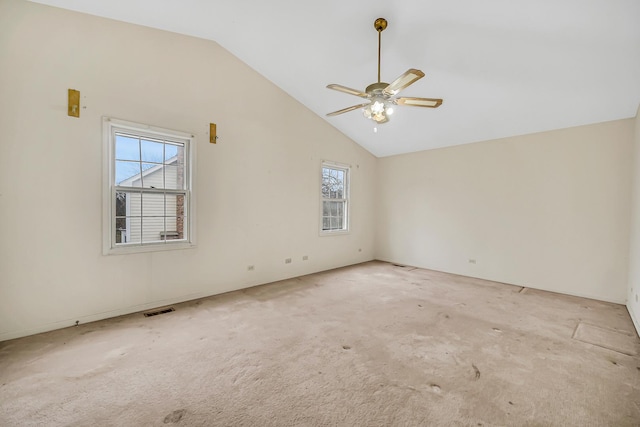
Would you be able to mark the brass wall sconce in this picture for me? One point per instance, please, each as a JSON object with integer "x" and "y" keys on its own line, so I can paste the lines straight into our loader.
{"x": 74, "y": 103}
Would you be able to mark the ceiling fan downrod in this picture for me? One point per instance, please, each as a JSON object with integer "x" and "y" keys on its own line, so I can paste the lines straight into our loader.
{"x": 380, "y": 24}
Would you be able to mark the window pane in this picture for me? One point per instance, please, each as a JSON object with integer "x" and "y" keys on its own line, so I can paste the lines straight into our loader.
{"x": 172, "y": 228}
{"x": 127, "y": 148}
{"x": 173, "y": 152}
{"x": 121, "y": 230}
{"x": 152, "y": 175}
{"x": 181, "y": 227}
{"x": 146, "y": 166}
{"x": 180, "y": 205}
{"x": 325, "y": 190}
{"x": 334, "y": 208}
{"x": 340, "y": 208}
{"x": 128, "y": 174}
{"x": 326, "y": 206}
{"x": 152, "y": 151}
{"x": 174, "y": 177}
{"x": 152, "y": 229}
{"x": 133, "y": 230}
{"x": 121, "y": 204}
{"x": 128, "y": 210}
{"x": 153, "y": 205}
{"x": 175, "y": 227}
{"x": 336, "y": 223}
{"x": 175, "y": 205}
{"x": 326, "y": 179}
{"x": 326, "y": 223}
{"x": 133, "y": 204}
{"x": 128, "y": 204}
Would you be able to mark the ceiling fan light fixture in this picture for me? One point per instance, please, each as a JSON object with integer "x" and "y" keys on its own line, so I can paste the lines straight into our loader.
{"x": 378, "y": 110}
{"x": 377, "y": 106}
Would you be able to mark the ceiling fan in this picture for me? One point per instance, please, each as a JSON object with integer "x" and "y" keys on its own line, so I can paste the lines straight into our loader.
{"x": 382, "y": 96}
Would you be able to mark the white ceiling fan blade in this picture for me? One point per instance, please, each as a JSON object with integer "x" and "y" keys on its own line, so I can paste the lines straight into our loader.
{"x": 408, "y": 78}
{"x": 348, "y": 90}
{"x": 419, "y": 102}
{"x": 346, "y": 110}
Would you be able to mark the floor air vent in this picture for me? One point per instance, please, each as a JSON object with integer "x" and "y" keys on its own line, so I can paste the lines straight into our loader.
{"x": 162, "y": 311}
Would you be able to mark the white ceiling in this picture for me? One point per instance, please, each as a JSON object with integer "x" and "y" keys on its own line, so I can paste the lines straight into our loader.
{"x": 503, "y": 67}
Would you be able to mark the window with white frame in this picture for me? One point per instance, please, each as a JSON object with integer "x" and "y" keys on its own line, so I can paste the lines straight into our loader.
{"x": 148, "y": 188}
{"x": 335, "y": 198}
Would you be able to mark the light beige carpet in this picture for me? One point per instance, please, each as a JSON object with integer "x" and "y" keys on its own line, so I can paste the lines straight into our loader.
{"x": 369, "y": 345}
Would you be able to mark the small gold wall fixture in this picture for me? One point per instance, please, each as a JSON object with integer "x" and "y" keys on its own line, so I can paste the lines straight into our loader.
{"x": 213, "y": 138}
{"x": 74, "y": 103}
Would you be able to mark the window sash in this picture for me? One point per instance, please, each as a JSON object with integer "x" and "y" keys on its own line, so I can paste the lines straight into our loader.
{"x": 331, "y": 218}
{"x": 129, "y": 218}
{"x": 145, "y": 164}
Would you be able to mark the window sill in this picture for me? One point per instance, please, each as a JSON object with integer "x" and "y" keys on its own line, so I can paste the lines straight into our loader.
{"x": 324, "y": 233}
{"x": 151, "y": 247}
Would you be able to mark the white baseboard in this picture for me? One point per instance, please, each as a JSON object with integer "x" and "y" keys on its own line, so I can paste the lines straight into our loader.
{"x": 60, "y": 324}
{"x": 98, "y": 316}
{"x": 636, "y": 322}
{"x": 621, "y": 301}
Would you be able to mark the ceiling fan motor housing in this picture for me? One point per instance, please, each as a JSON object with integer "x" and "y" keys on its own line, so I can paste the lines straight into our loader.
{"x": 376, "y": 88}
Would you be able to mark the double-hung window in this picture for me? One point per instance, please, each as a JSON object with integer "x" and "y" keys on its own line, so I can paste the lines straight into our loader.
{"x": 335, "y": 198}
{"x": 148, "y": 188}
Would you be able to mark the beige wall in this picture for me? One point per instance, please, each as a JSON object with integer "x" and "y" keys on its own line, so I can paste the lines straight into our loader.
{"x": 548, "y": 211}
{"x": 257, "y": 189}
{"x": 633, "y": 295}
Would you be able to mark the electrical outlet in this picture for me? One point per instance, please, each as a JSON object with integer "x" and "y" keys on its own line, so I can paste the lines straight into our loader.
{"x": 287, "y": 261}
{"x": 305, "y": 257}
{"x": 472, "y": 261}
{"x": 250, "y": 268}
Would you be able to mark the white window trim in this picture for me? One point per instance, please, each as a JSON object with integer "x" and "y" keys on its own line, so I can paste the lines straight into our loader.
{"x": 347, "y": 208}
{"x": 108, "y": 174}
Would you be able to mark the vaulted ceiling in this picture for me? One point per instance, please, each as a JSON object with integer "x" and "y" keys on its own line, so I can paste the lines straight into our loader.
{"x": 503, "y": 67}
